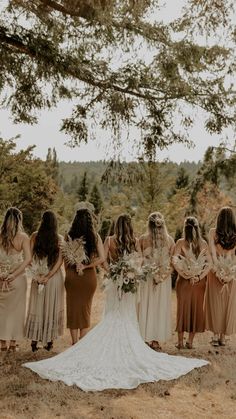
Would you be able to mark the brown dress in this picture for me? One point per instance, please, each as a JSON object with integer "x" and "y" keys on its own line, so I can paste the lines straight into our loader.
{"x": 80, "y": 290}
{"x": 190, "y": 298}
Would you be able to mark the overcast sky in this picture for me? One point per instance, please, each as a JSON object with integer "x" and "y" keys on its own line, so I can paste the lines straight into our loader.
{"x": 46, "y": 133}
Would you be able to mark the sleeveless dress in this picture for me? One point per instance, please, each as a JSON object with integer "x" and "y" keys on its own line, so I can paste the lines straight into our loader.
{"x": 80, "y": 290}
{"x": 45, "y": 319}
{"x": 154, "y": 308}
{"x": 113, "y": 355}
{"x": 220, "y": 305}
{"x": 13, "y": 300}
{"x": 190, "y": 301}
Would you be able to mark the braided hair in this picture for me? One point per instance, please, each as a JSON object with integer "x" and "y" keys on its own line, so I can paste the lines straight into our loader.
{"x": 192, "y": 234}
{"x": 124, "y": 235}
{"x": 47, "y": 241}
{"x": 226, "y": 229}
{"x": 12, "y": 223}
{"x": 158, "y": 230}
{"x": 83, "y": 227}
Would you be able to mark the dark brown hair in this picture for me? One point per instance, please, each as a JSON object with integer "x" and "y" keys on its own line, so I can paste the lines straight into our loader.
{"x": 46, "y": 243}
{"x": 83, "y": 227}
{"x": 192, "y": 234}
{"x": 226, "y": 229}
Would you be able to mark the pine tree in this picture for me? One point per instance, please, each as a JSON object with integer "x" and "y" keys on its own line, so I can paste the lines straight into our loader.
{"x": 96, "y": 199}
{"x": 83, "y": 188}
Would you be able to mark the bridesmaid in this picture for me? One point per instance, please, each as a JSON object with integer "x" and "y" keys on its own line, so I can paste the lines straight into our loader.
{"x": 46, "y": 310}
{"x": 14, "y": 247}
{"x": 220, "y": 304}
{"x": 80, "y": 289}
{"x": 190, "y": 298}
{"x": 154, "y": 311}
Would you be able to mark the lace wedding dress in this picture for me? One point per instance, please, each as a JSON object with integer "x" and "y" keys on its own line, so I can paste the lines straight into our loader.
{"x": 113, "y": 354}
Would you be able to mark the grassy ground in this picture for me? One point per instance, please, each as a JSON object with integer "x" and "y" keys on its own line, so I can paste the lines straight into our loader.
{"x": 209, "y": 392}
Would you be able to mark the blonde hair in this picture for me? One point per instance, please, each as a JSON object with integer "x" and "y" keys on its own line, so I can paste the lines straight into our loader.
{"x": 12, "y": 223}
{"x": 158, "y": 230}
{"x": 192, "y": 234}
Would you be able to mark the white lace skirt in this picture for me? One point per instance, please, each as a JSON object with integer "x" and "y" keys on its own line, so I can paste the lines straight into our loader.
{"x": 113, "y": 354}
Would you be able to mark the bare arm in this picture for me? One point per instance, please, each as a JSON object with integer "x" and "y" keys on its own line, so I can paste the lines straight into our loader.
{"x": 212, "y": 247}
{"x": 27, "y": 259}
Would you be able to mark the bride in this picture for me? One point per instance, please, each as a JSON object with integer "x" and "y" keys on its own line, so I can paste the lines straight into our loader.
{"x": 113, "y": 354}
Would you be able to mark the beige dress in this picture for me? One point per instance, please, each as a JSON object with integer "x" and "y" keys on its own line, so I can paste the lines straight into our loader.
{"x": 45, "y": 319}
{"x": 13, "y": 301}
{"x": 220, "y": 303}
{"x": 154, "y": 308}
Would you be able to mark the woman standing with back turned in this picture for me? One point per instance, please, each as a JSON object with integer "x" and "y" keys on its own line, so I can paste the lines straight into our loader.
{"x": 80, "y": 288}
{"x": 220, "y": 301}
{"x": 15, "y": 249}
{"x": 45, "y": 318}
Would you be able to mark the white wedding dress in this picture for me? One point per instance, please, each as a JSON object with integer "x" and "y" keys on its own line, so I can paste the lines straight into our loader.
{"x": 113, "y": 354}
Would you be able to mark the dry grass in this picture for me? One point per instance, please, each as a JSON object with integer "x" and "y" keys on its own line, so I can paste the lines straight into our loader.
{"x": 205, "y": 393}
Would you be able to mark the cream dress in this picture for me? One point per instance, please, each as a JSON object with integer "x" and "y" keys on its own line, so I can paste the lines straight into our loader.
{"x": 45, "y": 319}
{"x": 154, "y": 308}
{"x": 12, "y": 299}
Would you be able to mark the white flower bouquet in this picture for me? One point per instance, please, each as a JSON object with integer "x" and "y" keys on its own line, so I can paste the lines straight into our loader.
{"x": 158, "y": 267}
{"x": 190, "y": 265}
{"x": 38, "y": 268}
{"x": 126, "y": 273}
{"x": 74, "y": 253}
{"x": 225, "y": 269}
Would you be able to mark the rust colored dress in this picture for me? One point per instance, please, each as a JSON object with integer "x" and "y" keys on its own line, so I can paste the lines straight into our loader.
{"x": 190, "y": 299}
{"x": 80, "y": 290}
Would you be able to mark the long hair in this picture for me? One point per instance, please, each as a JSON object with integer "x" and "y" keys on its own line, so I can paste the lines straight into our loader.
{"x": 47, "y": 241}
{"x": 158, "y": 231}
{"x": 192, "y": 234}
{"x": 124, "y": 235}
{"x": 83, "y": 227}
{"x": 12, "y": 223}
{"x": 226, "y": 229}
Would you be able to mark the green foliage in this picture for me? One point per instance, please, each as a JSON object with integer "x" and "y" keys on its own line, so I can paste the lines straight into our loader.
{"x": 96, "y": 199}
{"x": 92, "y": 53}
{"x": 83, "y": 188}
{"x": 24, "y": 183}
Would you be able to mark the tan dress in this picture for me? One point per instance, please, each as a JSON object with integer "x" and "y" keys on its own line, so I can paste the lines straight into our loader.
{"x": 45, "y": 319}
{"x": 220, "y": 304}
{"x": 13, "y": 302}
{"x": 80, "y": 290}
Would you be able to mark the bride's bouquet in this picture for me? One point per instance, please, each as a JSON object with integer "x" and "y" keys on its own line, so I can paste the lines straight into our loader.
{"x": 190, "y": 265}
{"x": 74, "y": 253}
{"x": 225, "y": 269}
{"x": 38, "y": 268}
{"x": 125, "y": 273}
{"x": 158, "y": 268}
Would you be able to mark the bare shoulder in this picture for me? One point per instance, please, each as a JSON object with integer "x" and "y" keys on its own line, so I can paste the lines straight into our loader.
{"x": 179, "y": 242}
{"x": 212, "y": 232}
{"x": 22, "y": 236}
{"x": 171, "y": 240}
{"x": 33, "y": 235}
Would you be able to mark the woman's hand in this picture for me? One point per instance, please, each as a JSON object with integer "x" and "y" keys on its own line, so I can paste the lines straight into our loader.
{"x": 80, "y": 267}
{"x": 43, "y": 280}
{"x": 10, "y": 278}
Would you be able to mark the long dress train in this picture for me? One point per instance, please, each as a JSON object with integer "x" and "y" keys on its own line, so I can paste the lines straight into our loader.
{"x": 113, "y": 354}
